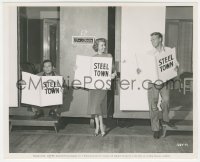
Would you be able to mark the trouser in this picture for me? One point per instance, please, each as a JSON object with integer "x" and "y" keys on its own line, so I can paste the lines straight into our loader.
{"x": 153, "y": 97}
{"x": 46, "y": 109}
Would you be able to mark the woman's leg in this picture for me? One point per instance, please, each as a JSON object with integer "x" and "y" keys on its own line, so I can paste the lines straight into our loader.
{"x": 97, "y": 124}
{"x": 101, "y": 124}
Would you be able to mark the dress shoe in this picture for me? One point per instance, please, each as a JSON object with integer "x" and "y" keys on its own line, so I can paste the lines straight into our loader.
{"x": 170, "y": 124}
{"x": 156, "y": 134}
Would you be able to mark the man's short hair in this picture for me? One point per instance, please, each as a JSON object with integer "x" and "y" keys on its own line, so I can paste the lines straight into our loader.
{"x": 158, "y": 34}
{"x": 45, "y": 61}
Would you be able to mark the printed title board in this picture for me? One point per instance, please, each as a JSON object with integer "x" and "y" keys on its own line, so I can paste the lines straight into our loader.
{"x": 93, "y": 72}
{"x": 166, "y": 65}
{"x": 42, "y": 90}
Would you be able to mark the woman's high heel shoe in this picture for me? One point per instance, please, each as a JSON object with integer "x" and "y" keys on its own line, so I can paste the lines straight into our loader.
{"x": 103, "y": 134}
{"x": 96, "y": 133}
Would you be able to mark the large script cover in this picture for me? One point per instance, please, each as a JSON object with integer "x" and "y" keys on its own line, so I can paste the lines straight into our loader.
{"x": 93, "y": 72}
{"x": 162, "y": 66}
{"x": 166, "y": 65}
{"x": 41, "y": 90}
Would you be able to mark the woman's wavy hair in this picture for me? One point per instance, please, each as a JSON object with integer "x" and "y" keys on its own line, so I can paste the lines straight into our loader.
{"x": 96, "y": 43}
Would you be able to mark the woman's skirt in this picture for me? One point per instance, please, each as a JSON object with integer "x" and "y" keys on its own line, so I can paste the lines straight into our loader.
{"x": 96, "y": 103}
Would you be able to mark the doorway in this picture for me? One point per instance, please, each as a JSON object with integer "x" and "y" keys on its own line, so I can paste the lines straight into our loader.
{"x": 38, "y": 40}
{"x": 50, "y": 41}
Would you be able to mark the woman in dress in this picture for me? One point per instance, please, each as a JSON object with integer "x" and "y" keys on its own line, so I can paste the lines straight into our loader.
{"x": 97, "y": 96}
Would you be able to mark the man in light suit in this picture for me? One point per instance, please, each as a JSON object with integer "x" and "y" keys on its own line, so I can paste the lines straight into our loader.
{"x": 154, "y": 90}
